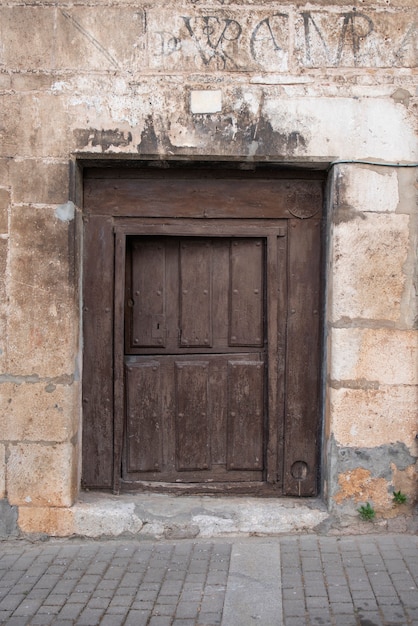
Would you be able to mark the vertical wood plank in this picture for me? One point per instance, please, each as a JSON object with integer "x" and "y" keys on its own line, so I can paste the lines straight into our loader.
{"x": 247, "y": 293}
{"x": 118, "y": 364}
{"x": 148, "y": 293}
{"x": 245, "y": 415}
{"x": 303, "y": 366}
{"x": 196, "y": 293}
{"x": 281, "y": 326}
{"x": 143, "y": 412}
{"x": 192, "y": 415}
{"x": 218, "y": 405}
{"x": 220, "y": 291}
{"x": 98, "y": 296}
{"x": 273, "y": 417}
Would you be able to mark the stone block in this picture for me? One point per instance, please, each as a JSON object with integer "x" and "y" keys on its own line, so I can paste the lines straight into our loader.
{"x": 27, "y": 34}
{"x": 382, "y": 356}
{"x": 4, "y": 244}
{"x": 408, "y": 185}
{"x": 4, "y": 210}
{"x": 8, "y": 127}
{"x": 54, "y": 522}
{"x": 2, "y": 471}
{"x": 27, "y": 81}
{"x": 5, "y": 82}
{"x": 367, "y": 189}
{"x": 374, "y": 417}
{"x": 218, "y": 39}
{"x": 38, "y": 411}
{"x": 368, "y": 258}
{"x": 4, "y": 171}
{"x": 44, "y": 182}
{"x": 366, "y": 38}
{"x": 341, "y": 125}
{"x": 43, "y": 330}
{"x": 109, "y": 39}
{"x": 39, "y": 474}
{"x": 37, "y": 125}
{"x": 360, "y": 486}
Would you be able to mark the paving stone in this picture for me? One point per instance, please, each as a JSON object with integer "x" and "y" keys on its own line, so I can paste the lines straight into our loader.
{"x": 136, "y": 618}
{"x": 187, "y": 610}
{"x": 160, "y": 620}
{"x": 209, "y": 619}
{"x": 89, "y": 617}
{"x": 325, "y": 580}
{"x": 71, "y": 611}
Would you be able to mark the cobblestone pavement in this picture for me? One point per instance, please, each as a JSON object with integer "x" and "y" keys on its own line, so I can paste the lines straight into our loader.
{"x": 304, "y": 580}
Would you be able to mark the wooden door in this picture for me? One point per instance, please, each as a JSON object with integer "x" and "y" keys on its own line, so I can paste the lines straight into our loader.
{"x": 201, "y": 329}
{"x": 195, "y": 359}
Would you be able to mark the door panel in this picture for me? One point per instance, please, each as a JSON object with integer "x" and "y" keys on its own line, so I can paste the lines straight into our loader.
{"x": 195, "y": 294}
{"x": 245, "y": 415}
{"x": 208, "y": 403}
{"x": 192, "y": 415}
{"x": 246, "y": 293}
{"x": 148, "y": 290}
{"x": 180, "y": 409}
{"x": 144, "y": 411}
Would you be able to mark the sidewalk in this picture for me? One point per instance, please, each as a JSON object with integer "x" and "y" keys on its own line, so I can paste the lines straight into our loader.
{"x": 303, "y": 580}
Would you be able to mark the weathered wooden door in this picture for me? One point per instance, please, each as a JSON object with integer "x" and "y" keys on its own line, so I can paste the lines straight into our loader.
{"x": 196, "y": 359}
{"x": 201, "y": 329}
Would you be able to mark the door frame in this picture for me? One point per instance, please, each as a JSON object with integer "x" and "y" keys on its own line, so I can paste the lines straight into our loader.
{"x": 112, "y": 195}
{"x": 274, "y": 233}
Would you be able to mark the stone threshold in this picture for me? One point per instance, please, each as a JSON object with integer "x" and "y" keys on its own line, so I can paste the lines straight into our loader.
{"x": 164, "y": 516}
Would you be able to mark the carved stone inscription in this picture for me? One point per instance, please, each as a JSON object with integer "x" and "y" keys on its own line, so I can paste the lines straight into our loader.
{"x": 232, "y": 41}
{"x": 221, "y": 41}
{"x": 224, "y": 40}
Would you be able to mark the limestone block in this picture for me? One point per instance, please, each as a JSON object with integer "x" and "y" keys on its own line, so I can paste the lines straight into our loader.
{"x": 54, "y": 522}
{"x": 41, "y": 475}
{"x": 38, "y": 411}
{"x": 37, "y": 125}
{"x": 368, "y": 259}
{"x": 361, "y": 486}
{"x": 26, "y": 34}
{"x": 109, "y": 39}
{"x": 2, "y": 471}
{"x": 366, "y": 38}
{"x": 27, "y": 81}
{"x": 365, "y": 189}
{"x": 408, "y": 185}
{"x": 384, "y": 356}
{"x": 44, "y": 327}
{"x": 5, "y": 82}
{"x": 4, "y": 210}
{"x": 218, "y": 39}
{"x": 8, "y": 128}
{"x": 4, "y": 171}
{"x": 3, "y": 303}
{"x": 345, "y": 126}
{"x": 45, "y": 183}
{"x": 374, "y": 417}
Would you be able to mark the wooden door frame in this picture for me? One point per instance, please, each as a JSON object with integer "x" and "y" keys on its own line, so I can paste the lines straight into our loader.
{"x": 271, "y": 231}
{"x": 110, "y": 196}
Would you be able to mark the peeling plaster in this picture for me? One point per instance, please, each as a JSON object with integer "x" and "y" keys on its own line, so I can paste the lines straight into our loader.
{"x": 65, "y": 212}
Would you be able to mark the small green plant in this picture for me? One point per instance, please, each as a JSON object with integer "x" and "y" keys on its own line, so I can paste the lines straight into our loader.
{"x": 367, "y": 512}
{"x": 399, "y": 497}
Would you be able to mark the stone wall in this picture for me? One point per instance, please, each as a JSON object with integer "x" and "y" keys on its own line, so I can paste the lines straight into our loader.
{"x": 289, "y": 82}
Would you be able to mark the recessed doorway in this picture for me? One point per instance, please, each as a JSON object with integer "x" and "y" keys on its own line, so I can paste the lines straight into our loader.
{"x": 201, "y": 332}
